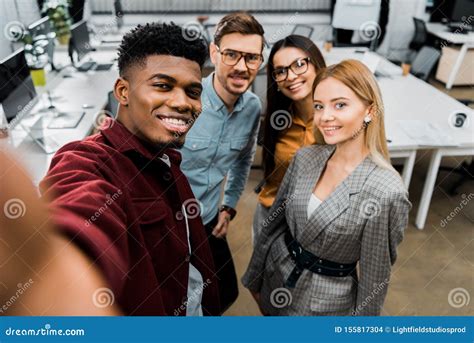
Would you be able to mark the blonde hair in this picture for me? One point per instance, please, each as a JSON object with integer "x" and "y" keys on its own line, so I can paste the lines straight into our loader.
{"x": 360, "y": 80}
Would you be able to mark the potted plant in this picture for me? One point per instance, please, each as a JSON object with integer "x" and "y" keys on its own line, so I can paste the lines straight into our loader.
{"x": 58, "y": 13}
{"x": 36, "y": 56}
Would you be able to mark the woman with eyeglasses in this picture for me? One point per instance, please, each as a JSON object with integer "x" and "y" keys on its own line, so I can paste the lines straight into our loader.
{"x": 340, "y": 213}
{"x": 293, "y": 64}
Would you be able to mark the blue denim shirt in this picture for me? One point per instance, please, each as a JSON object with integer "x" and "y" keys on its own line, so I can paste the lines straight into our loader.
{"x": 220, "y": 145}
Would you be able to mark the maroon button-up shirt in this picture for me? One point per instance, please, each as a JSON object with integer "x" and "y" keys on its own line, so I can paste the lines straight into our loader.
{"x": 122, "y": 204}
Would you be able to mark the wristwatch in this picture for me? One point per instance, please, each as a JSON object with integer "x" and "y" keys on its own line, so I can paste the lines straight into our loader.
{"x": 229, "y": 210}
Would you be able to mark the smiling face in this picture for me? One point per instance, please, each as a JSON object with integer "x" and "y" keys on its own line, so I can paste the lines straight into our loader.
{"x": 236, "y": 79}
{"x": 338, "y": 112}
{"x": 159, "y": 101}
{"x": 295, "y": 87}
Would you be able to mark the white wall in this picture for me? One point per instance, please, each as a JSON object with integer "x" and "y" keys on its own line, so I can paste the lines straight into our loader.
{"x": 143, "y": 6}
{"x": 23, "y": 11}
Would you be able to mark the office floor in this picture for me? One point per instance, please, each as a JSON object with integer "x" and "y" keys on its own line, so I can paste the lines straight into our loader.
{"x": 434, "y": 273}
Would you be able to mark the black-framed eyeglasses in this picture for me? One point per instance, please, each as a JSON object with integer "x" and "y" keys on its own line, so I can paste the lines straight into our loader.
{"x": 298, "y": 67}
{"x": 232, "y": 57}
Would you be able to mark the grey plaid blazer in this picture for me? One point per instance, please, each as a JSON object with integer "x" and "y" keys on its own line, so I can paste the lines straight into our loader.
{"x": 362, "y": 220}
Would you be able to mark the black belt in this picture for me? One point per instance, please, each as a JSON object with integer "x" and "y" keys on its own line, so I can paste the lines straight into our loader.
{"x": 307, "y": 260}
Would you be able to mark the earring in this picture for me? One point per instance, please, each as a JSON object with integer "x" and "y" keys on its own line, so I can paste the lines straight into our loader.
{"x": 278, "y": 89}
{"x": 367, "y": 119}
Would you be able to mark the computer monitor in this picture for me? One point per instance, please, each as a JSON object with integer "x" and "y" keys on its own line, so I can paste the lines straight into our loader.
{"x": 462, "y": 10}
{"x": 42, "y": 30}
{"x": 17, "y": 92}
{"x": 439, "y": 11}
{"x": 80, "y": 45}
{"x": 76, "y": 9}
{"x": 79, "y": 42}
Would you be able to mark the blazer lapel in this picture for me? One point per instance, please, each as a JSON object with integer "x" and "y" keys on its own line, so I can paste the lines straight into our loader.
{"x": 326, "y": 213}
{"x": 337, "y": 202}
{"x": 313, "y": 167}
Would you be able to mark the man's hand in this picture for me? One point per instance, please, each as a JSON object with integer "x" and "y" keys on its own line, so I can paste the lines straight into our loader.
{"x": 220, "y": 230}
{"x": 64, "y": 281}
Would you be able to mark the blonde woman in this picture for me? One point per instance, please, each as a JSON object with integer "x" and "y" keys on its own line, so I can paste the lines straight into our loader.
{"x": 341, "y": 205}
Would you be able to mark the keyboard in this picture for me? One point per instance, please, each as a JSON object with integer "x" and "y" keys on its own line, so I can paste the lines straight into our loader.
{"x": 86, "y": 66}
{"x": 91, "y": 65}
{"x": 112, "y": 39}
{"x": 66, "y": 120}
{"x": 103, "y": 67}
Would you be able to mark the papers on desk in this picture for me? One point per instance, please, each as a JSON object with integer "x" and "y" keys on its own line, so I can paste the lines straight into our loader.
{"x": 380, "y": 66}
{"x": 111, "y": 39}
{"x": 426, "y": 134}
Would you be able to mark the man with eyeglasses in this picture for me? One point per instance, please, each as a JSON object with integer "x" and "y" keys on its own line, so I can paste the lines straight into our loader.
{"x": 220, "y": 147}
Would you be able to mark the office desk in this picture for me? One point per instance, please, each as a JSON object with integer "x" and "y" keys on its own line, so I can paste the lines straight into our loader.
{"x": 465, "y": 40}
{"x": 409, "y": 98}
{"x": 428, "y": 104}
{"x": 82, "y": 88}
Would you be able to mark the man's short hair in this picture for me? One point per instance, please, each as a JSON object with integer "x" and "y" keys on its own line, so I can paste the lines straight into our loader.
{"x": 238, "y": 22}
{"x": 159, "y": 39}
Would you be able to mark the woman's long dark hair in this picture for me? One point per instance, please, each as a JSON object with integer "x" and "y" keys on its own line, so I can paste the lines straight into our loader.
{"x": 276, "y": 101}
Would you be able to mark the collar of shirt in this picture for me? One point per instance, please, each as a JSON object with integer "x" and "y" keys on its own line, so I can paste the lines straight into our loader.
{"x": 123, "y": 141}
{"x": 214, "y": 100}
{"x": 298, "y": 121}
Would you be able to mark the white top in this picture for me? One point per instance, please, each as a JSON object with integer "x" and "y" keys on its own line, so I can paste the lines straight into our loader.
{"x": 313, "y": 204}
{"x": 195, "y": 282}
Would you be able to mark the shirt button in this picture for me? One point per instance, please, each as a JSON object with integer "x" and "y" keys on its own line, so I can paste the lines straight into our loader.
{"x": 319, "y": 270}
{"x": 188, "y": 258}
{"x": 194, "y": 146}
{"x": 167, "y": 176}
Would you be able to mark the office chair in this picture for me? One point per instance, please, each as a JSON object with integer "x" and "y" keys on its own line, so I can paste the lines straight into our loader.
{"x": 424, "y": 62}
{"x": 207, "y": 34}
{"x": 466, "y": 171}
{"x": 420, "y": 36}
{"x": 109, "y": 110}
{"x": 303, "y": 30}
{"x": 112, "y": 105}
{"x": 200, "y": 29}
